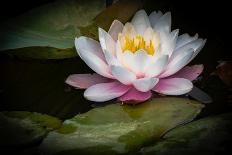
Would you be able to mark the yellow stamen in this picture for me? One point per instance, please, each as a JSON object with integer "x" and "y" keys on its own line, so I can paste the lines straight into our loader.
{"x": 135, "y": 44}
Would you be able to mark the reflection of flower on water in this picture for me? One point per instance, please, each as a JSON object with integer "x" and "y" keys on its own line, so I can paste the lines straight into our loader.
{"x": 134, "y": 59}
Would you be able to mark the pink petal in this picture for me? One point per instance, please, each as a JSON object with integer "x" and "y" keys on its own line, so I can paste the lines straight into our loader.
{"x": 115, "y": 28}
{"x": 135, "y": 95}
{"x": 173, "y": 86}
{"x": 189, "y": 72}
{"x": 83, "y": 81}
{"x": 105, "y": 91}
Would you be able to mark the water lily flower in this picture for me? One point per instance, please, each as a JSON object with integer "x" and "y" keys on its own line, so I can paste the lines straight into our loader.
{"x": 138, "y": 58}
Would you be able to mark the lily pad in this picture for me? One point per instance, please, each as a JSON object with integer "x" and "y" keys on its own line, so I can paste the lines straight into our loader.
{"x": 21, "y": 128}
{"x": 54, "y": 25}
{"x": 206, "y": 136}
{"x": 48, "y": 32}
{"x": 116, "y": 128}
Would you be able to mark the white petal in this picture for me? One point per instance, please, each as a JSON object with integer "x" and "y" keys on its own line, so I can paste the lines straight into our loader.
{"x": 88, "y": 44}
{"x": 163, "y": 23}
{"x": 173, "y": 86}
{"x": 128, "y": 60}
{"x": 154, "y": 17}
{"x": 168, "y": 41}
{"x": 157, "y": 67}
{"x": 115, "y": 28}
{"x": 141, "y": 61}
{"x": 148, "y": 35}
{"x": 106, "y": 41}
{"x": 177, "y": 63}
{"x": 156, "y": 40}
{"x": 145, "y": 84}
{"x": 123, "y": 75}
{"x": 91, "y": 53}
{"x": 119, "y": 51}
{"x": 129, "y": 30}
{"x": 140, "y": 21}
{"x": 196, "y": 45}
{"x": 105, "y": 91}
{"x": 136, "y": 62}
{"x": 111, "y": 59}
{"x": 184, "y": 39}
{"x": 198, "y": 50}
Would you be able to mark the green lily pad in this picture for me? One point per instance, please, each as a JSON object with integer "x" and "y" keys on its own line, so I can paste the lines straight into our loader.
{"x": 206, "y": 136}
{"x": 54, "y": 25}
{"x": 21, "y": 128}
{"x": 48, "y": 32}
{"x": 117, "y": 128}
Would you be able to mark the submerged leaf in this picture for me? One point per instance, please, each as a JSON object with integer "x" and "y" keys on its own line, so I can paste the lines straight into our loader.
{"x": 116, "y": 128}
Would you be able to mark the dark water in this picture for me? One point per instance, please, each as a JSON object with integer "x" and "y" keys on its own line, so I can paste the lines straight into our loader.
{"x": 35, "y": 85}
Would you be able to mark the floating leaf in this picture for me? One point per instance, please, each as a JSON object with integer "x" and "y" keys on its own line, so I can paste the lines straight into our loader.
{"x": 20, "y": 128}
{"x": 119, "y": 128}
{"x": 206, "y": 136}
{"x": 48, "y": 32}
{"x": 53, "y": 25}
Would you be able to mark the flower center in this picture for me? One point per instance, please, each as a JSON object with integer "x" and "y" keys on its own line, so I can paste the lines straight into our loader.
{"x": 136, "y": 43}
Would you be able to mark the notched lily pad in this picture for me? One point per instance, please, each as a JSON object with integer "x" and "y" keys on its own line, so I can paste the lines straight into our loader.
{"x": 21, "y": 128}
{"x": 206, "y": 136}
{"x": 117, "y": 128}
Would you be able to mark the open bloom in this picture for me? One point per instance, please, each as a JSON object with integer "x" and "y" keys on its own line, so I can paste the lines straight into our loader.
{"x": 138, "y": 58}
